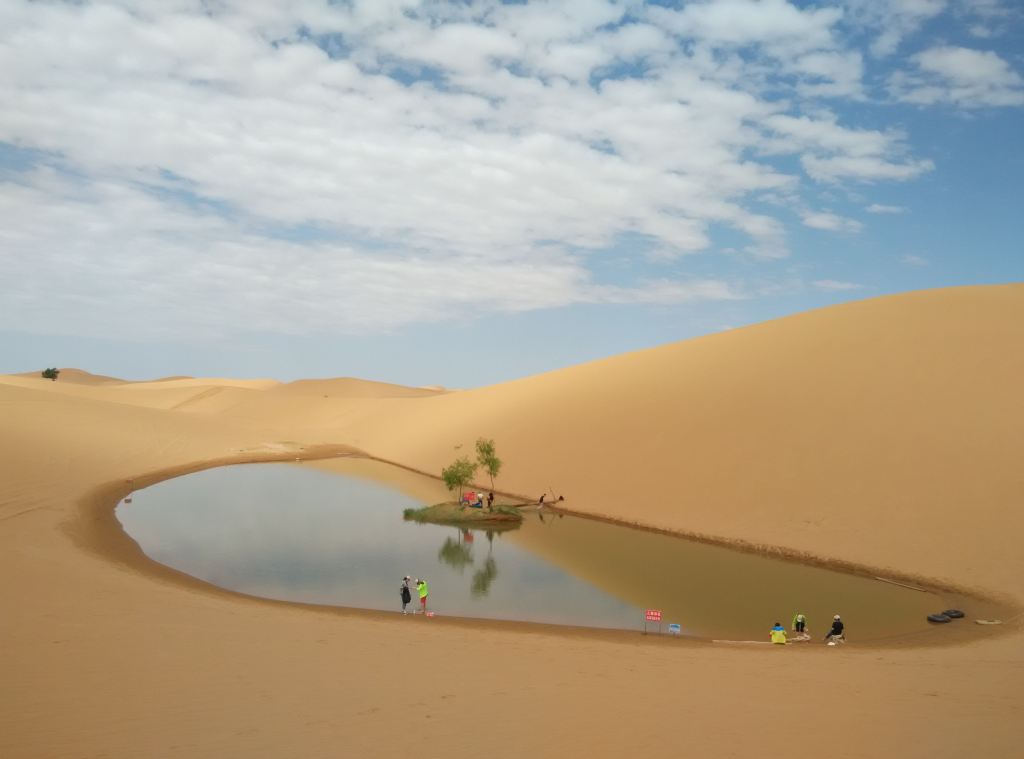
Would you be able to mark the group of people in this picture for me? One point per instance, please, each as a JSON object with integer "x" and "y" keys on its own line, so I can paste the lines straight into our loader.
{"x": 835, "y": 634}
{"x": 476, "y": 500}
{"x": 406, "y": 593}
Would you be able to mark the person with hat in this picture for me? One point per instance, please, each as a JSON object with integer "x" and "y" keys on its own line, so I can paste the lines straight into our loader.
{"x": 837, "y": 632}
{"x": 406, "y": 593}
{"x": 799, "y": 623}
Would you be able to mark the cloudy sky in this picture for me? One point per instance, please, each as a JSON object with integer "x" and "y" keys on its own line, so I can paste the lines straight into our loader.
{"x": 466, "y": 192}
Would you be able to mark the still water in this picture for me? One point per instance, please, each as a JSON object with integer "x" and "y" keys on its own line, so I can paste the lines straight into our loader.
{"x": 302, "y": 533}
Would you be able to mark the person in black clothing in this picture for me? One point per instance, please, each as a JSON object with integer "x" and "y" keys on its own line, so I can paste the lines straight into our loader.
{"x": 406, "y": 593}
{"x": 836, "y": 631}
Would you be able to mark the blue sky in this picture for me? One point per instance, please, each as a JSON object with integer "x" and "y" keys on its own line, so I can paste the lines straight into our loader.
{"x": 464, "y": 193}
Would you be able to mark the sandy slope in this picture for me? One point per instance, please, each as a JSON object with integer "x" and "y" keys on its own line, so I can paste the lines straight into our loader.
{"x": 887, "y": 432}
{"x": 902, "y": 413}
{"x": 70, "y": 375}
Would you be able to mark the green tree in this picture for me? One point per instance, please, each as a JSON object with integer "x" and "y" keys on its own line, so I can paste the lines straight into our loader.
{"x": 51, "y": 374}
{"x": 486, "y": 457}
{"x": 458, "y": 475}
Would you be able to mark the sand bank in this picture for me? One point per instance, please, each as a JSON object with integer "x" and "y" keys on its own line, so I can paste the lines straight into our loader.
{"x": 886, "y": 433}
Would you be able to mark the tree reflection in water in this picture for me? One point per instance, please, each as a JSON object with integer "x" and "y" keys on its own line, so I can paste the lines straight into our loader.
{"x": 482, "y": 578}
{"x": 458, "y": 554}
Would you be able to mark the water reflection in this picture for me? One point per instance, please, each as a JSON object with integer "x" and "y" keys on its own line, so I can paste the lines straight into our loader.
{"x": 455, "y": 553}
{"x": 299, "y": 533}
{"x": 483, "y": 578}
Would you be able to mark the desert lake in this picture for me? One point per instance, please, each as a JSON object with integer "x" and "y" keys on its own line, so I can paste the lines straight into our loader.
{"x": 298, "y": 533}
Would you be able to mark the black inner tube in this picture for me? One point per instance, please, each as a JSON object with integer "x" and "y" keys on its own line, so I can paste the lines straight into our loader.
{"x": 938, "y": 618}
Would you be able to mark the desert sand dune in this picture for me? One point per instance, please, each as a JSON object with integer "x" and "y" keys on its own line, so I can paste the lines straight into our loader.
{"x": 887, "y": 432}
{"x": 71, "y": 375}
{"x": 318, "y": 410}
{"x": 204, "y": 382}
{"x": 194, "y": 395}
{"x": 901, "y": 413}
{"x": 349, "y": 387}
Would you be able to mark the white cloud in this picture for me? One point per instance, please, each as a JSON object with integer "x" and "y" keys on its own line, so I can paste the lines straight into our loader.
{"x": 745, "y": 22}
{"x": 830, "y": 74}
{"x": 879, "y": 208}
{"x": 666, "y": 292}
{"x": 892, "y": 20}
{"x": 959, "y": 76}
{"x": 205, "y": 275}
{"x": 988, "y": 18}
{"x": 306, "y": 165}
{"x": 862, "y": 168}
{"x": 911, "y": 260}
{"x": 830, "y": 221}
{"x": 831, "y": 152}
{"x": 832, "y": 285}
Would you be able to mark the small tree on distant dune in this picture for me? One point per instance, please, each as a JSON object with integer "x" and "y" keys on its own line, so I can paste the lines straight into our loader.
{"x": 458, "y": 474}
{"x": 51, "y": 374}
{"x": 486, "y": 457}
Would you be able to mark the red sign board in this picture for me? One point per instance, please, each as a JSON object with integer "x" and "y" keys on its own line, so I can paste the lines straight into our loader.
{"x": 654, "y": 615}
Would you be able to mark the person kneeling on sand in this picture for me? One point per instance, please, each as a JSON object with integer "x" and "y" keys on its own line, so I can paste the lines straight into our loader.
{"x": 837, "y": 632}
{"x": 778, "y": 634}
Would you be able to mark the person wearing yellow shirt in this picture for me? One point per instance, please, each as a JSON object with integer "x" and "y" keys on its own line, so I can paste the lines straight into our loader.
{"x": 778, "y": 634}
{"x": 424, "y": 591}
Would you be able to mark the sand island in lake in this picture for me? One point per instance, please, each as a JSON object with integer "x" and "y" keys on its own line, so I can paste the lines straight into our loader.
{"x": 452, "y": 513}
{"x": 886, "y": 434}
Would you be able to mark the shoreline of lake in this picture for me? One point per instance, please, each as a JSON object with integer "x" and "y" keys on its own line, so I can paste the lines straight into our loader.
{"x": 385, "y": 471}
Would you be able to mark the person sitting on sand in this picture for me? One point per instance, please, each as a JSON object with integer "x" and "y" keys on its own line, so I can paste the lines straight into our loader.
{"x": 424, "y": 591}
{"x": 778, "y": 634}
{"x": 837, "y": 632}
{"x": 799, "y": 623}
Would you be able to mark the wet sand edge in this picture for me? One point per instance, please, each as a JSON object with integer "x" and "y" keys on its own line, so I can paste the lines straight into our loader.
{"x": 95, "y": 528}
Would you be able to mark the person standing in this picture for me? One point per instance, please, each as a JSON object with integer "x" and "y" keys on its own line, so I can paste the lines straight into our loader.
{"x": 490, "y": 501}
{"x": 424, "y": 591}
{"x": 406, "y": 593}
{"x": 837, "y": 632}
{"x": 778, "y": 634}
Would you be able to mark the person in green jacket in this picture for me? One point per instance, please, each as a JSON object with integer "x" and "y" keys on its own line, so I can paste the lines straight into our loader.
{"x": 424, "y": 591}
{"x": 799, "y": 623}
